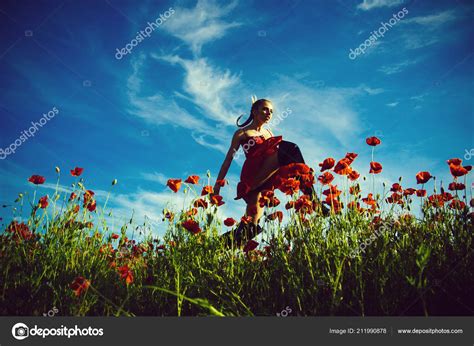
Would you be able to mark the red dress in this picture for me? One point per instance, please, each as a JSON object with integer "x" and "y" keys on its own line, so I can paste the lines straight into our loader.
{"x": 256, "y": 149}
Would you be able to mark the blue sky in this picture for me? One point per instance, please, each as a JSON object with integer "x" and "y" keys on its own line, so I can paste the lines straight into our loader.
{"x": 168, "y": 108}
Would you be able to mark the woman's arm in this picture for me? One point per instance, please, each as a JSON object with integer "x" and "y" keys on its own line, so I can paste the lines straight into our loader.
{"x": 234, "y": 146}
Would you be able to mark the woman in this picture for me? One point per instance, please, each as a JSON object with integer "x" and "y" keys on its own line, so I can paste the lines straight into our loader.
{"x": 265, "y": 155}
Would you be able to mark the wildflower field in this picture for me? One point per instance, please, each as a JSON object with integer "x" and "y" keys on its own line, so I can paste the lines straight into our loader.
{"x": 407, "y": 251}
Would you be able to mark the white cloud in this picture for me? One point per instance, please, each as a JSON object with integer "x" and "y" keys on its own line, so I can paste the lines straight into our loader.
{"x": 393, "y": 104}
{"x": 433, "y": 20}
{"x": 367, "y": 5}
{"x": 202, "y": 24}
{"x": 398, "y": 67}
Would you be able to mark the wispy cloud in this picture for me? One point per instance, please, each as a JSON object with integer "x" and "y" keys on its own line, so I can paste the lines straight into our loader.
{"x": 202, "y": 24}
{"x": 392, "y": 104}
{"x": 367, "y": 5}
{"x": 432, "y": 20}
{"x": 398, "y": 67}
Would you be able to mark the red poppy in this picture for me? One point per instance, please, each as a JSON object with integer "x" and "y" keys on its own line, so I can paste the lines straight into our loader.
{"x": 408, "y": 192}
{"x": 343, "y": 166}
{"x": 289, "y": 205}
{"x": 217, "y": 200}
{"x": 43, "y": 202}
{"x": 458, "y": 171}
{"x": 354, "y": 175}
{"x": 20, "y": 231}
{"x": 77, "y": 171}
{"x": 207, "y": 190}
{"x": 395, "y": 198}
{"x": 455, "y": 162}
{"x": 221, "y": 182}
{"x": 76, "y": 209}
{"x": 335, "y": 205}
{"x": 350, "y": 157}
{"x": 115, "y": 236}
{"x": 192, "y": 212}
{"x": 88, "y": 194}
{"x": 454, "y": 186}
{"x": 92, "y": 205}
{"x": 436, "y": 200}
{"x": 304, "y": 205}
{"x": 276, "y": 215}
{"x": 423, "y": 177}
{"x": 369, "y": 200}
{"x": 192, "y": 226}
{"x": 251, "y": 245}
{"x": 326, "y": 178}
{"x": 174, "y": 184}
{"x": 192, "y": 179}
{"x": 375, "y": 167}
{"x": 327, "y": 164}
{"x": 457, "y": 204}
{"x": 37, "y": 179}
{"x": 229, "y": 222}
{"x": 200, "y": 203}
{"x": 289, "y": 186}
{"x": 373, "y": 141}
{"x": 421, "y": 193}
{"x": 268, "y": 199}
{"x": 79, "y": 285}
{"x": 332, "y": 192}
{"x": 396, "y": 187}
{"x": 126, "y": 274}
{"x": 354, "y": 205}
{"x": 72, "y": 196}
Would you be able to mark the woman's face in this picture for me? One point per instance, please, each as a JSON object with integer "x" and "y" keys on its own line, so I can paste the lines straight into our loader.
{"x": 264, "y": 113}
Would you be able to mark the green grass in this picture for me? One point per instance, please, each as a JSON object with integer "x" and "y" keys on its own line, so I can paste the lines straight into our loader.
{"x": 410, "y": 266}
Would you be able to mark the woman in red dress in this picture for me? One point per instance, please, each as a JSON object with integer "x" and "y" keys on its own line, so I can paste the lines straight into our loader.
{"x": 266, "y": 156}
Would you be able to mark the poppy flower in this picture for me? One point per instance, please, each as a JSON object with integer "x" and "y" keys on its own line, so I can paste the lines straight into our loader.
{"x": 43, "y": 202}
{"x": 455, "y": 162}
{"x": 229, "y": 222}
{"x": 76, "y": 209}
{"x": 343, "y": 166}
{"x": 395, "y": 198}
{"x": 221, "y": 182}
{"x": 267, "y": 198}
{"x": 200, "y": 203}
{"x": 421, "y": 193}
{"x": 126, "y": 274}
{"x": 174, "y": 184}
{"x": 335, "y": 205}
{"x": 77, "y": 171}
{"x": 436, "y": 200}
{"x": 408, "y": 192}
{"x": 115, "y": 236}
{"x": 354, "y": 205}
{"x": 332, "y": 192}
{"x": 20, "y": 231}
{"x": 289, "y": 186}
{"x": 192, "y": 179}
{"x": 217, "y": 200}
{"x": 423, "y": 177}
{"x": 369, "y": 200}
{"x": 251, "y": 245}
{"x": 91, "y": 206}
{"x": 396, "y": 187}
{"x": 37, "y": 179}
{"x": 72, "y": 196}
{"x": 192, "y": 212}
{"x": 192, "y": 226}
{"x": 457, "y": 204}
{"x": 79, "y": 285}
{"x": 375, "y": 167}
{"x": 458, "y": 171}
{"x": 454, "y": 186}
{"x": 207, "y": 190}
{"x": 326, "y": 178}
{"x": 276, "y": 215}
{"x": 304, "y": 205}
{"x": 327, "y": 164}
{"x": 354, "y": 175}
{"x": 373, "y": 141}
{"x": 350, "y": 157}
{"x": 290, "y": 205}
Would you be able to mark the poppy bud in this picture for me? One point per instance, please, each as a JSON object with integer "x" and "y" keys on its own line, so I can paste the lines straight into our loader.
{"x": 383, "y": 184}
{"x": 80, "y": 185}
{"x": 208, "y": 173}
{"x": 57, "y": 169}
{"x": 400, "y": 179}
{"x": 114, "y": 182}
